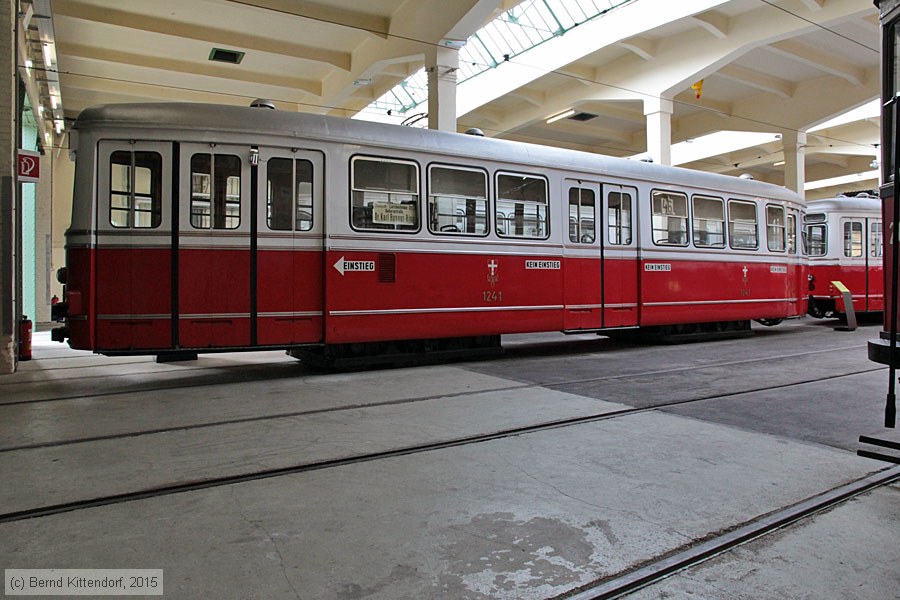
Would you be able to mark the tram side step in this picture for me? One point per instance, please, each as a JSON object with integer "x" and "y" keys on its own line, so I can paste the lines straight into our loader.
{"x": 177, "y": 356}
{"x": 683, "y": 333}
{"x": 397, "y": 353}
{"x": 888, "y": 444}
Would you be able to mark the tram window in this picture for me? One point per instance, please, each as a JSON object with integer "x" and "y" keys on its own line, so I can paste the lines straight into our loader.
{"x": 791, "y": 233}
{"x": 135, "y": 190}
{"x": 853, "y": 239}
{"x": 709, "y": 222}
{"x": 875, "y": 242}
{"x": 457, "y": 200}
{"x": 582, "y": 215}
{"x": 619, "y": 218}
{"x": 670, "y": 217}
{"x": 522, "y": 206}
{"x": 775, "y": 228}
{"x": 814, "y": 218}
{"x": 215, "y": 191}
{"x": 817, "y": 239}
{"x": 385, "y": 194}
{"x": 289, "y": 194}
{"x": 743, "y": 232}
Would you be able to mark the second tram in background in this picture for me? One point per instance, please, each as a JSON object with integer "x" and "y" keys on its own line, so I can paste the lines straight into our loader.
{"x": 845, "y": 245}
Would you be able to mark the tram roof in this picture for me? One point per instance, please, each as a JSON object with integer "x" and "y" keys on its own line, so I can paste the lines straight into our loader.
{"x": 176, "y": 116}
{"x": 846, "y": 203}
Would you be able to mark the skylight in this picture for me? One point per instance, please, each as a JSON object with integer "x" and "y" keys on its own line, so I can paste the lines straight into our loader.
{"x": 514, "y": 32}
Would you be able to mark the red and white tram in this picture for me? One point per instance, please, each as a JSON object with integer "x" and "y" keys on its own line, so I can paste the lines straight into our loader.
{"x": 201, "y": 228}
{"x": 845, "y": 245}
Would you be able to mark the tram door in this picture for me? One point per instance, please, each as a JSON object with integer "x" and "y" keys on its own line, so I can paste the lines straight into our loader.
{"x": 621, "y": 264}
{"x": 214, "y": 226}
{"x": 288, "y": 247}
{"x": 875, "y": 272}
{"x": 860, "y": 257}
{"x": 133, "y": 253}
{"x": 584, "y": 257}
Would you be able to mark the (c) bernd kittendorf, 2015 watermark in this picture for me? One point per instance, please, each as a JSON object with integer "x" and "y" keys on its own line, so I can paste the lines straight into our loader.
{"x": 83, "y": 582}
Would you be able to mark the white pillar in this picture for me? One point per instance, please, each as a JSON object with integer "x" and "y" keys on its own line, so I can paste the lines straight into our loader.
{"x": 8, "y": 124}
{"x": 659, "y": 129}
{"x": 794, "y": 143}
{"x": 43, "y": 231}
{"x": 441, "y": 65}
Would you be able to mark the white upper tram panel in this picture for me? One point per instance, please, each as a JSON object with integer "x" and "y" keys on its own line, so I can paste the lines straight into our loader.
{"x": 252, "y": 126}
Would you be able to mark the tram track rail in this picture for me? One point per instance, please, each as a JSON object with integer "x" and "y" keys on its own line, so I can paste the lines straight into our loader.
{"x": 402, "y": 401}
{"x": 697, "y": 552}
{"x": 212, "y": 482}
{"x": 144, "y": 389}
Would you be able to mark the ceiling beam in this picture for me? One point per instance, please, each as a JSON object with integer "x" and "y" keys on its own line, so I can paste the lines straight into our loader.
{"x": 597, "y": 148}
{"x": 191, "y": 31}
{"x": 582, "y": 74}
{"x": 757, "y": 80}
{"x": 843, "y": 149}
{"x": 823, "y": 61}
{"x": 578, "y": 129}
{"x": 170, "y": 85}
{"x": 533, "y": 97}
{"x": 714, "y": 22}
{"x": 632, "y": 113}
{"x": 402, "y": 68}
{"x": 813, "y": 4}
{"x": 643, "y": 47}
{"x": 837, "y": 160}
{"x": 82, "y": 92}
{"x": 345, "y": 17}
{"x": 230, "y": 73}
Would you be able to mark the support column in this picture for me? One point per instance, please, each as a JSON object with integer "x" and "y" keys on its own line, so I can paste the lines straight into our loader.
{"x": 8, "y": 125}
{"x": 44, "y": 272}
{"x": 441, "y": 64}
{"x": 794, "y": 143}
{"x": 659, "y": 129}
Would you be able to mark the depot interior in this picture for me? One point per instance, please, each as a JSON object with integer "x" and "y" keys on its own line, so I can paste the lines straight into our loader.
{"x": 783, "y": 91}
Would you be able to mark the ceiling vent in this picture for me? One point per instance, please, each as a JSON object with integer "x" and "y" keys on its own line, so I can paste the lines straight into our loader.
{"x": 227, "y": 56}
{"x": 582, "y": 116}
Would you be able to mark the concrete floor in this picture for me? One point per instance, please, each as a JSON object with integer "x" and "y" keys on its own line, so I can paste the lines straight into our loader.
{"x": 527, "y": 516}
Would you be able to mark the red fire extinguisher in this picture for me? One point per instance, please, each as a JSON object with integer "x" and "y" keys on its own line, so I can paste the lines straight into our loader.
{"x": 25, "y": 338}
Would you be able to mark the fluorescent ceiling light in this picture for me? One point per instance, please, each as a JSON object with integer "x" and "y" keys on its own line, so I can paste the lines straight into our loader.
{"x": 562, "y": 115}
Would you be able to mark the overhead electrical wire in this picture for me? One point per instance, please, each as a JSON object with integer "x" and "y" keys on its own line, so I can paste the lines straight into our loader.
{"x": 540, "y": 70}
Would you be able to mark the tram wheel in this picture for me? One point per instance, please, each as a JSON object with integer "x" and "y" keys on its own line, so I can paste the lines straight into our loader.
{"x": 769, "y": 322}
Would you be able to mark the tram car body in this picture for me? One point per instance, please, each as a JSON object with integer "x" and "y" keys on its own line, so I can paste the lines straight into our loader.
{"x": 207, "y": 228}
{"x": 844, "y": 240}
